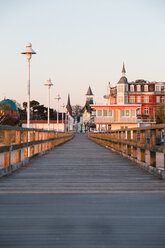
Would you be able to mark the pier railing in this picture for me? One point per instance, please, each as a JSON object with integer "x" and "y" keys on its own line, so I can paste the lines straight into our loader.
{"x": 134, "y": 142}
{"x": 19, "y": 144}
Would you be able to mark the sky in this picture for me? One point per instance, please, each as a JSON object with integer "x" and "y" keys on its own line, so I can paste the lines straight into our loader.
{"x": 79, "y": 43}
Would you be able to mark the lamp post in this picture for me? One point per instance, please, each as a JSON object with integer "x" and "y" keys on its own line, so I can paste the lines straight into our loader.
{"x": 58, "y": 98}
{"x": 28, "y": 51}
{"x": 62, "y": 112}
{"x": 48, "y": 84}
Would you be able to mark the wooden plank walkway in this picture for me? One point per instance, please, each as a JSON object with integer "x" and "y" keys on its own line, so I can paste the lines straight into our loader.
{"x": 82, "y": 195}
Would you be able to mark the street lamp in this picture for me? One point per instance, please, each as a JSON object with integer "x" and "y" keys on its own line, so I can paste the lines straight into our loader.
{"x": 28, "y": 51}
{"x": 48, "y": 84}
{"x": 58, "y": 98}
{"x": 63, "y": 105}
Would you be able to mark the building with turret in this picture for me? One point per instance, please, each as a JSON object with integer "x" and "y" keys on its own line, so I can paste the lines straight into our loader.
{"x": 129, "y": 104}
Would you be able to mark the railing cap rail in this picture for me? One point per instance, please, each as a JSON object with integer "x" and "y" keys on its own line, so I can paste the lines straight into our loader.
{"x": 7, "y": 127}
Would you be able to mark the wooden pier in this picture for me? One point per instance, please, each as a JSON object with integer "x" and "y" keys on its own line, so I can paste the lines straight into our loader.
{"x": 82, "y": 195}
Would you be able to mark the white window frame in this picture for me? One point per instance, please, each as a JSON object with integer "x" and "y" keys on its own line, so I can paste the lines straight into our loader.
{"x": 109, "y": 112}
{"x": 162, "y": 99}
{"x": 138, "y": 88}
{"x": 120, "y": 99}
{"x": 138, "y": 99}
{"x": 145, "y": 88}
{"x": 120, "y": 88}
{"x": 146, "y": 99}
{"x": 99, "y": 112}
{"x": 105, "y": 111}
{"x": 157, "y": 99}
{"x": 146, "y": 111}
{"x": 122, "y": 113}
{"x": 157, "y": 88}
{"x": 132, "y": 99}
{"x": 131, "y": 88}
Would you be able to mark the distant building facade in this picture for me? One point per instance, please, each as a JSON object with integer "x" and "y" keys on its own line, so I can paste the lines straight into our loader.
{"x": 86, "y": 120}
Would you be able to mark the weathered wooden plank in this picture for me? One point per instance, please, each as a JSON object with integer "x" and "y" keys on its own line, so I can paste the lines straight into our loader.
{"x": 82, "y": 195}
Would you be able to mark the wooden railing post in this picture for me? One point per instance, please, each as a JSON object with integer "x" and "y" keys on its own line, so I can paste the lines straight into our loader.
{"x": 36, "y": 138}
{"x": 32, "y": 139}
{"x": 26, "y": 148}
{"x": 123, "y": 145}
{"x": 119, "y": 136}
{"x": 135, "y": 144}
{"x": 152, "y": 144}
{"x": 18, "y": 141}
{"x": 164, "y": 149}
{"x": 7, "y": 157}
{"x": 142, "y": 142}
{"x": 128, "y": 145}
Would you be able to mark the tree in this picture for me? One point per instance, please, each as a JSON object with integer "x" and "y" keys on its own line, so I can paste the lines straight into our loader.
{"x": 76, "y": 110}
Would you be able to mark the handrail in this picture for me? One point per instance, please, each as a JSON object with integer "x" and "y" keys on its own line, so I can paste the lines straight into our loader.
{"x": 27, "y": 142}
{"x": 129, "y": 140}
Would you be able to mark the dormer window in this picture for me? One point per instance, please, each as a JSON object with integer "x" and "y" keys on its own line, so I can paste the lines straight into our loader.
{"x": 138, "y": 88}
{"x": 132, "y": 88}
{"x": 145, "y": 87}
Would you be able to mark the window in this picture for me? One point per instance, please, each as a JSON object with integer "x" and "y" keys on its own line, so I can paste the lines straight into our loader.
{"x": 157, "y": 88}
{"x": 99, "y": 112}
{"x": 132, "y": 99}
{"x": 132, "y": 112}
{"x": 122, "y": 112}
{"x": 132, "y": 88}
{"x": 146, "y": 111}
{"x": 110, "y": 112}
{"x": 127, "y": 112}
{"x": 138, "y": 99}
{"x": 120, "y": 88}
{"x": 145, "y": 87}
{"x": 162, "y": 88}
{"x": 104, "y": 112}
{"x": 146, "y": 99}
{"x": 157, "y": 99}
{"x": 138, "y": 87}
{"x": 120, "y": 99}
{"x": 162, "y": 99}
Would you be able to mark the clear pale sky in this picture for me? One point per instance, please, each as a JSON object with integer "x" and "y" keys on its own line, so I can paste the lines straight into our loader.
{"x": 79, "y": 43}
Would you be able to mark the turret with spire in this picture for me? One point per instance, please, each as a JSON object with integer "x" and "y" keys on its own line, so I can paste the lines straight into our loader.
{"x": 122, "y": 88}
{"x": 123, "y": 71}
{"x": 89, "y": 96}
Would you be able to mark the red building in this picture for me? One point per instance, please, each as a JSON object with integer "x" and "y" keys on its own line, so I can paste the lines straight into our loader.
{"x": 129, "y": 103}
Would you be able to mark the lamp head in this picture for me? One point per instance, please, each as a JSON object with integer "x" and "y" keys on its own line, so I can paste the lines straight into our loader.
{"x": 48, "y": 83}
{"x": 28, "y": 51}
{"x": 58, "y": 97}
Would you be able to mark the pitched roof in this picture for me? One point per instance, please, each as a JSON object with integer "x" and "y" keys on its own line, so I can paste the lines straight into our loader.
{"x": 123, "y": 80}
{"x": 89, "y": 92}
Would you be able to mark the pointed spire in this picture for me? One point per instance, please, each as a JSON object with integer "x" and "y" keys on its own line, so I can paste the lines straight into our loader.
{"x": 68, "y": 106}
{"x": 89, "y": 92}
{"x": 123, "y": 70}
{"x": 109, "y": 89}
